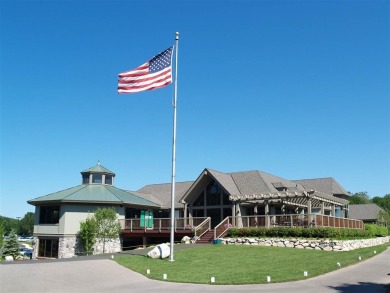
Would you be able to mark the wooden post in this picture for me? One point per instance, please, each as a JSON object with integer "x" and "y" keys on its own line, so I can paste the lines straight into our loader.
{"x": 256, "y": 213}
{"x": 185, "y": 214}
{"x": 267, "y": 221}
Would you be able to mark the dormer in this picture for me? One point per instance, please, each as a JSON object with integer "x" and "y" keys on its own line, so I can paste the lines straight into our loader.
{"x": 97, "y": 175}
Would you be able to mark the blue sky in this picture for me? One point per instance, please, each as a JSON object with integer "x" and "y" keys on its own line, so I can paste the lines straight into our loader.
{"x": 298, "y": 89}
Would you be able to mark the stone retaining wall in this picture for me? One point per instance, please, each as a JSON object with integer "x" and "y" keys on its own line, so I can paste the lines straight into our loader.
{"x": 317, "y": 244}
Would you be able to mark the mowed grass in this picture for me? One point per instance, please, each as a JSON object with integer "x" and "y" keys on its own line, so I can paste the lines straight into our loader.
{"x": 233, "y": 264}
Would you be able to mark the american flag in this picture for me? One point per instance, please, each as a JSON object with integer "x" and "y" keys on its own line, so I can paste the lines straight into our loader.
{"x": 154, "y": 74}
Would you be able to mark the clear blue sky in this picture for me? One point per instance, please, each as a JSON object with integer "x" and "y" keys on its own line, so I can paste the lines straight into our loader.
{"x": 298, "y": 89}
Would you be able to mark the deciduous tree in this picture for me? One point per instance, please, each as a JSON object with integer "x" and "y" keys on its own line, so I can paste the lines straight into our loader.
{"x": 107, "y": 225}
{"x": 87, "y": 234}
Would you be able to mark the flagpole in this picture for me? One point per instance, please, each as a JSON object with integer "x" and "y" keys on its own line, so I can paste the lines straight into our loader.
{"x": 174, "y": 156}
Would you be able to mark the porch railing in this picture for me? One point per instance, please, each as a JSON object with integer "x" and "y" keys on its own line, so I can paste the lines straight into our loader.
{"x": 222, "y": 227}
{"x": 202, "y": 228}
{"x": 293, "y": 220}
{"x": 160, "y": 224}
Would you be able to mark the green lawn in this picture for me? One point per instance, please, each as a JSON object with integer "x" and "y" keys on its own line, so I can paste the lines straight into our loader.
{"x": 233, "y": 264}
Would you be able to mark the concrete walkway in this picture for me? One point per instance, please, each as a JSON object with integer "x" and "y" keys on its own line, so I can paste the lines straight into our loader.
{"x": 104, "y": 275}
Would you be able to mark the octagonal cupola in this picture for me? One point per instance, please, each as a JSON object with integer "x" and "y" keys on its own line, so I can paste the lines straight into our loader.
{"x": 97, "y": 175}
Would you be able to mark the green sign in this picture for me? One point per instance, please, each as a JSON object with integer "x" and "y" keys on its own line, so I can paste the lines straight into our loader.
{"x": 146, "y": 219}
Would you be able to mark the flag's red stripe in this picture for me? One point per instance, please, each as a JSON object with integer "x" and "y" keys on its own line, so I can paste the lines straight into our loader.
{"x": 134, "y": 73}
{"x": 143, "y": 79}
{"x": 123, "y": 90}
{"x": 129, "y": 86}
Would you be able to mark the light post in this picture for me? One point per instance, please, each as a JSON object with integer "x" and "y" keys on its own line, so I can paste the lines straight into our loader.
{"x": 18, "y": 224}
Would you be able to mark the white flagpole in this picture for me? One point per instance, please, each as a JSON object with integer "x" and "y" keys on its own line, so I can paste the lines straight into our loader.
{"x": 174, "y": 156}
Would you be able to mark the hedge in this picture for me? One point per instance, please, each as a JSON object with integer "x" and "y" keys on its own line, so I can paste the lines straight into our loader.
{"x": 334, "y": 233}
{"x": 376, "y": 230}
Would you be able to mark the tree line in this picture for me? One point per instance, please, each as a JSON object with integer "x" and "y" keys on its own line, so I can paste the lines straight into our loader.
{"x": 24, "y": 226}
{"x": 364, "y": 198}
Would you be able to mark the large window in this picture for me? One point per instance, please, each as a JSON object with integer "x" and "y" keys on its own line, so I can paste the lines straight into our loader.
{"x": 213, "y": 194}
{"x": 48, "y": 248}
{"x": 49, "y": 215}
{"x": 199, "y": 202}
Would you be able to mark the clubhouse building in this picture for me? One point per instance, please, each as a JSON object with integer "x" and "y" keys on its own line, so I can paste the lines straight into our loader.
{"x": 249, "y": 198}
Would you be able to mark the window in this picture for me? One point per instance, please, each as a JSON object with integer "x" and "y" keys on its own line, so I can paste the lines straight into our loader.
{"x": 108, "y": 180}
{"x": 213, "y": 194}
{"x": 85, "y": 178}
{"x": 49, "y": 215}
{"x": 225, "y": 199}
{"x": 96, "y": 178}
{"x": 197, "y": 213}
{"x": 200, "y": 200}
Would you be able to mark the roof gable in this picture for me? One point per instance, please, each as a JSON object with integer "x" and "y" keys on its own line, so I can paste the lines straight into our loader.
{"x": 225, "y": 180}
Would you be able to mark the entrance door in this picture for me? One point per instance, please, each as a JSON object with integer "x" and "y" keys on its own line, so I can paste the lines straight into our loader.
{"x": 48, "y": 248}
{"x": 215, "y": 215}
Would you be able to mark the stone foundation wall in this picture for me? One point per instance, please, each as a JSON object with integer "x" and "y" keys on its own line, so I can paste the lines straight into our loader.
{"x": 67, "y": 246}
{"x": 110, "y": 246}
{"x": 322, "y": 244}
{"x": 70, "y": 246}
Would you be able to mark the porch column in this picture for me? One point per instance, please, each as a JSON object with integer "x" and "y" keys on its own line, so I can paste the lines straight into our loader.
{"x": 333, "y": 210}
{"x": 255, "y": 213}
{"x": 238, "y": 215}
{"x": 309, "y": 217}
{"x": 343, "y": 212}
{"x": 234, "y": 215}
{"x": 144, "y": 242}
{"x": 322, "y": 208}
{"x": 185, "y": 214}
{"x": 267, "y": 221}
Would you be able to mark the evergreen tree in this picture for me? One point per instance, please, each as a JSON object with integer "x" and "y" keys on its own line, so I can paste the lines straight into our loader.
{"x": 11, "y": 246}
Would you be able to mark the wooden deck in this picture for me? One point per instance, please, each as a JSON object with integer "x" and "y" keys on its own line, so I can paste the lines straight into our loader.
{"x": 161, "y": 227}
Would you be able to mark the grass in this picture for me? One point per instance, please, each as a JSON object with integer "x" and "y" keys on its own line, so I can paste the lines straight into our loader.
{"x": 233, "y": 264}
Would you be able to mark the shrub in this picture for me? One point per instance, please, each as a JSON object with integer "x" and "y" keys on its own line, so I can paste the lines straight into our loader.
{"x": 334, "y": 233}
{"x": 376, "y": 230}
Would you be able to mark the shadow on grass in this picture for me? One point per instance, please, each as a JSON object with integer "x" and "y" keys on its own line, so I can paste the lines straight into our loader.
{"x": 362, "y": 287}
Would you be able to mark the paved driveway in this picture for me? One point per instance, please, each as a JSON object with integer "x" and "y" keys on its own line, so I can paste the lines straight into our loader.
{"x": 105, "y": 275}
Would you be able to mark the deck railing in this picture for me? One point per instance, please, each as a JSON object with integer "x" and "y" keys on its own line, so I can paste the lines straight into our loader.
{"x": 160, "y": 224}
{"x": 293, "y": 220}
{"x": 202, "y": 228}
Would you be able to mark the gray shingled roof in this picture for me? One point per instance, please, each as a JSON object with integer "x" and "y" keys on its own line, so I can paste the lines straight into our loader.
{"x": 364, "y": 211}
{"x": 251, "y": 182}
{"x": 327, "y": 185}
{"x": 162, "y": 192}
{"x": 225, "y": 180}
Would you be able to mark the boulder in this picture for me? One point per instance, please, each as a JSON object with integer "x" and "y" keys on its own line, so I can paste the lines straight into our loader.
{"x": 9, "y": 258}
{"x": 186, "y": 240}
{"x": 160, "y": 251}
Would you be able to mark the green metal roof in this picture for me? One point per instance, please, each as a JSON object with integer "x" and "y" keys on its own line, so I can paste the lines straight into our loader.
{"x": 98, "y": 169}
{"x": 94, "y": 193}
